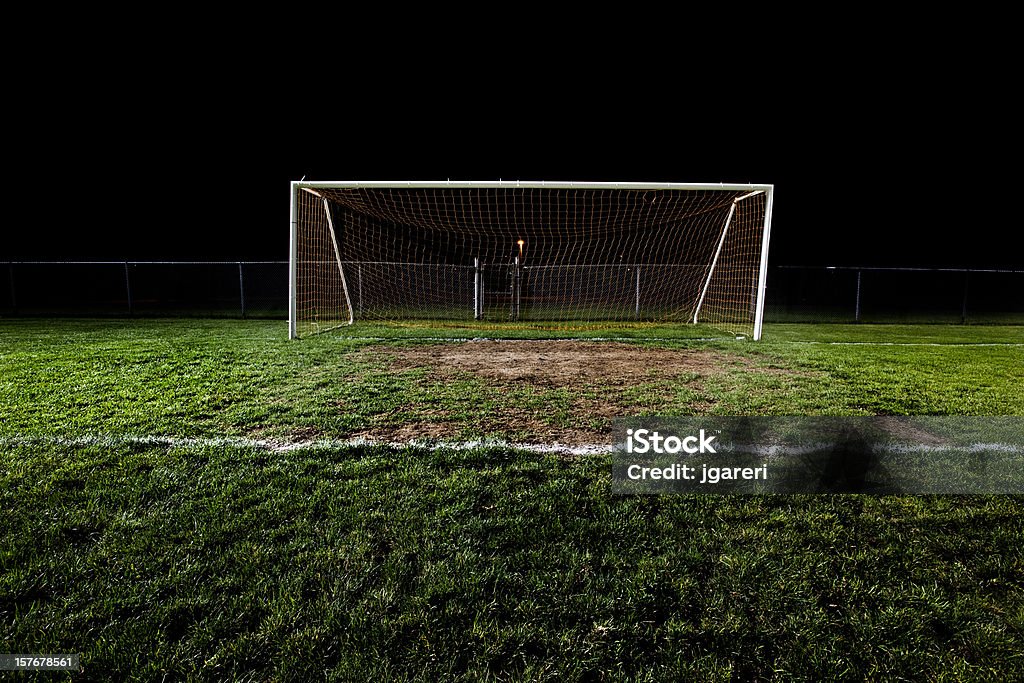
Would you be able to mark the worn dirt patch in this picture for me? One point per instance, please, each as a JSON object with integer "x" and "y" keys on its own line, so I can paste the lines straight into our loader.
{"x": 527, "y": 382}
{"x": 905, "y": 428}
{"x": 561, "y": 363}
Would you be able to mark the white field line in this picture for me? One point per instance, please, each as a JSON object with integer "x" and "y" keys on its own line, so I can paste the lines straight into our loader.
{"x": 283, "y": 446}
{"x": 873, "y": 343}
{"x": 769, "y": 451}
{"x": 777, "y": 450}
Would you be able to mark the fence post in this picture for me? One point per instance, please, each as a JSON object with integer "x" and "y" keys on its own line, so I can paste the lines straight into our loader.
{"x": 637, "y": 312}
{"x": 14, "y": 298}
{"x": 477, "y": 299}
{"x": 241, "y": 288}
{"x": 963, "y": 307}
{"x": 856, "y": 313}
{"x": 515, "y": 291}
{"x": 359, "y": 301}
{"x": 128, "y": 289}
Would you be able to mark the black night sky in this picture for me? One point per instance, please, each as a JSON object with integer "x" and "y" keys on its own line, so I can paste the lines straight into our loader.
{"x": 872, "y": 179}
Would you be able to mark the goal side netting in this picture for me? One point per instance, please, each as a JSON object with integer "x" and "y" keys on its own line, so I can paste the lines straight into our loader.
{"x": 496, "y": 254}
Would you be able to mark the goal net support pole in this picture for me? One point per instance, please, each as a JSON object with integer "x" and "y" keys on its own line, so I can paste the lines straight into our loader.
{"x": 714, "y": 261}
{"x": 762, "y": 267}
{"x": 337, "y": 255}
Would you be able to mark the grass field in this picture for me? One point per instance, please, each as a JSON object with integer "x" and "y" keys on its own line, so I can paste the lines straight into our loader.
{"x": 191, "y": 499}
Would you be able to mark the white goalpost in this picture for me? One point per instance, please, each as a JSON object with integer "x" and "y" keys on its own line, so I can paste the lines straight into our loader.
{"x": 512, "y": 251}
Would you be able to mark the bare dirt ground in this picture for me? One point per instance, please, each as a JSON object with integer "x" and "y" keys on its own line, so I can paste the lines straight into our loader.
{"x": 560, "y": 363}
{"x": 563, "y": 392}
{"x": 904, "y": 428}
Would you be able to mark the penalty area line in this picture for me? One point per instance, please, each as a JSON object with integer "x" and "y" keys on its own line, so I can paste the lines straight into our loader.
{"x": 555, "y": 448}
{"x": 285, "y": 446}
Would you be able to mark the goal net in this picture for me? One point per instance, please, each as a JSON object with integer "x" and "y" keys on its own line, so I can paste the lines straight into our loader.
{"x": 499, "y": 252}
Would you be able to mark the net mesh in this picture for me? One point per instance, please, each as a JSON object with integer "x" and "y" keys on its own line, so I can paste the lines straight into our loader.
{"x": 611, "y": 256}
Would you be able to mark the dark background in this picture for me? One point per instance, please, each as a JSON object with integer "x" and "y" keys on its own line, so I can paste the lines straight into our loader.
{"x": 190, "y": 164}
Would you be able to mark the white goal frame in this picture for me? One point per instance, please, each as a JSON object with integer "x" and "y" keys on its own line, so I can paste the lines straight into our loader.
{"x": 751, "y": 188}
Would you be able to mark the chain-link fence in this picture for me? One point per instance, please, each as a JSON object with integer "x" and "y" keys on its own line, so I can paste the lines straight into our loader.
{"x": 259, "y": 289}
{"x": 888, "y": 295}
{"x": 245, "y": 289}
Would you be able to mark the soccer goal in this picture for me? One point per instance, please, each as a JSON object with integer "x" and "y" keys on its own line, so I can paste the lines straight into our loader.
{"x": 510, "y": 251}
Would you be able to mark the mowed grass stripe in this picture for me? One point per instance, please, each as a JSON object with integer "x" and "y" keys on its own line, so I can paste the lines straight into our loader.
{"x": 413, "y": 564}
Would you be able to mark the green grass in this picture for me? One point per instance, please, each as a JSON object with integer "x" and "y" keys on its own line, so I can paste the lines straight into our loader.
{"x": 215, "y": 378}
{"x": 239, "y": 563}
{"x": 366, "y": 563}
{"x": 568, "y": 329}
{"x": 895, "y": 334}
